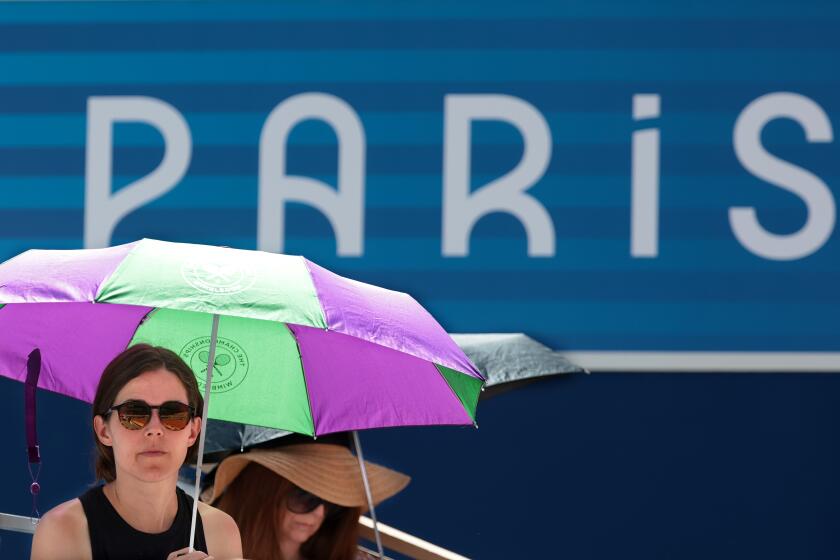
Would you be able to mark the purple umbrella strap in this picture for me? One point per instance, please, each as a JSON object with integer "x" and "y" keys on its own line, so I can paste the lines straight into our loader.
{"x": 33, "y": 371}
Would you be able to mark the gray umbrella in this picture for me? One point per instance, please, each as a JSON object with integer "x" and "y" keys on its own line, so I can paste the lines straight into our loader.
{"x": 512, "y": 359}
{"x": 506, "y": 360}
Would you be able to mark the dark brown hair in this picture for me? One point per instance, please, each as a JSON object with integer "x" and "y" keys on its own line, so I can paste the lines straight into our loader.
{"x": 131, "y": 363}
{"x": 256, "y": 499}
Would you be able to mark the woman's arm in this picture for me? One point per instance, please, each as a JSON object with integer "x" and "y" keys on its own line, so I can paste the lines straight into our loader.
{"x": 62, "y": 534}
{"x": 220, "y": 532}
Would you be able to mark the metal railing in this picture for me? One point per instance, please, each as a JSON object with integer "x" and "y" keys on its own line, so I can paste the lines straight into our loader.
{"x": 393, "y": 539}
{"x": 17, "y": 523}
{"x": 411, "y": 546}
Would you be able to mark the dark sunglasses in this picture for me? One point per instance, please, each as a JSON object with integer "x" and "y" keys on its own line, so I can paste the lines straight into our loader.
{"x": 134, "y": 415}
{"x": 301, "y": 501}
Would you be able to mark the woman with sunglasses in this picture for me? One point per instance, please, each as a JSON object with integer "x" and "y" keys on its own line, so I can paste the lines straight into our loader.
{"x": 300, "y": 501}
{"x": 145, "y": 422}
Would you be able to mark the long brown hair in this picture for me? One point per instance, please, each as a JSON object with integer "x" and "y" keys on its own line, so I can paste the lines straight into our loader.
{"x": 131, "y": 363}
{"x": 256, "y": 499}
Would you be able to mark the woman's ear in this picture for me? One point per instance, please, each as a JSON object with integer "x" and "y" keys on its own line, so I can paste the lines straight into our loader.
{"x": 195, "y": 429}
{"x": 102, "y": 430}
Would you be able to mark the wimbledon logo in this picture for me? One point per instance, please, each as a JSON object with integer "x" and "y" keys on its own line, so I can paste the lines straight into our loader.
{"x": 230, "y": 366}
{"x": 214, "y": 278}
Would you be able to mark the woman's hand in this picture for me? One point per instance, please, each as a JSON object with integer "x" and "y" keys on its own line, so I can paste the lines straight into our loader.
{"x": 185, "y": 554}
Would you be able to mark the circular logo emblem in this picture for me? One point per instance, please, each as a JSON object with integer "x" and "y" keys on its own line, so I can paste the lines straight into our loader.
{"x": 229, "y": 367}
{"x": 214, "y": 278}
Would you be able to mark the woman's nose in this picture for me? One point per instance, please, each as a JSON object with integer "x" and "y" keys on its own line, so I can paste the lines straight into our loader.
{"x": 154, "y": 427}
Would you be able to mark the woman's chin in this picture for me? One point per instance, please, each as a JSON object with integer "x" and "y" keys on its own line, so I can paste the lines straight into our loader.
{"x": 151, "y": 472}
{"x": 300, "y": 533}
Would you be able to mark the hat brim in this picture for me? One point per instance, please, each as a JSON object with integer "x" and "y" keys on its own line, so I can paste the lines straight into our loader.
{"x": 329, "y": 471}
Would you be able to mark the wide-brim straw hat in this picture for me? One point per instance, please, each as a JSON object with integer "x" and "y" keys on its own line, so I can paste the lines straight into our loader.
{"x": 329, "y": 471}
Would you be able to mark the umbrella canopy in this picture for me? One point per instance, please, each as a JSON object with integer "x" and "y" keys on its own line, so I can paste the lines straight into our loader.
{"x": 509, "y": 360}
{"x": 299, "y": 348}
{"x": 506, "y": 360}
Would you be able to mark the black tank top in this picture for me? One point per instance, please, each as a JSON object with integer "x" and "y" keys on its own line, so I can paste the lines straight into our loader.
{"x": 111, "y": 538}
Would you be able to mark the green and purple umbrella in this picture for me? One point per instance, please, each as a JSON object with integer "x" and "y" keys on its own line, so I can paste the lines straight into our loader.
{"x": 281, "y": 342}
{"x": 299, "y": 348}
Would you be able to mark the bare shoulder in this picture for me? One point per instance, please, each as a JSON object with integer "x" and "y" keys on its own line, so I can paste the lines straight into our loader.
{"x": 221, "y": 533}
{"x": 62, "y": 533}
{"x": 214, "y": 518}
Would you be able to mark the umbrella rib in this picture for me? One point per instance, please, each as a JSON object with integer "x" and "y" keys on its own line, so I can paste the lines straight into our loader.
{"x": 113, "y": 272}
{"x": 317, "y": 293}
{"x": 303, "y": 375}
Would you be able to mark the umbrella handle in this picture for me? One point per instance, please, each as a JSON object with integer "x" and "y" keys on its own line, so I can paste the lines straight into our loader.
{"x": 358, "y": 445}
{"x": 211, "y": 359}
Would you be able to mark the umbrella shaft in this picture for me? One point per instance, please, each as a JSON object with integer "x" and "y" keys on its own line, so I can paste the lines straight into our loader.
{"x": 208, "y": 380}
{"x": 358, "y": 445}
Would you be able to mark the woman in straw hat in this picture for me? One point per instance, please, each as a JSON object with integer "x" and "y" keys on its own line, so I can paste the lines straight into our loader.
{"x": 301, "y": 501}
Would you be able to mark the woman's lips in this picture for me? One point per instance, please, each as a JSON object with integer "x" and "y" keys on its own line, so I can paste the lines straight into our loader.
{"x": 154, "y": 453}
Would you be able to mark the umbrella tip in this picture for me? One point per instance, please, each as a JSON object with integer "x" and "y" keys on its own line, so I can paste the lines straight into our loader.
{"x": 475, "y": 424}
